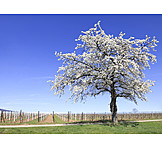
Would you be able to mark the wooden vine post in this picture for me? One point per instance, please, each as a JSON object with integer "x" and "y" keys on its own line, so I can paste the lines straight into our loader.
{"x": 68, "y": 116}
{"x": 20, "y": 116}
{"x": 53, "y": 117}
{"x": 1, "y": 116}
{"x": 82, "y": 116}
{"x": 38, "y": 116}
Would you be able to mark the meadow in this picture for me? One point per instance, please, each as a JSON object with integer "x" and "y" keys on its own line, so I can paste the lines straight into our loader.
{"x": 107, "y": 128}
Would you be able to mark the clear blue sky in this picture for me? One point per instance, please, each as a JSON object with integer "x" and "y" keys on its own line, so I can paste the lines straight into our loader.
{"x": 27, "y": 60}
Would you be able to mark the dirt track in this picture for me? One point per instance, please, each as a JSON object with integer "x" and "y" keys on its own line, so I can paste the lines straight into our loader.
{"x": 49, "y": 125}
{"x": 48, "y": 119}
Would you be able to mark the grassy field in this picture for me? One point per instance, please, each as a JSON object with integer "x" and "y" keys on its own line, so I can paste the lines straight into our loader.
{"x": 122, "y": 128}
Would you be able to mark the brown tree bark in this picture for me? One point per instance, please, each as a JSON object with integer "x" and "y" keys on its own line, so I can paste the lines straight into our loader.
{"x": 113, "y": 109}
{"x": 113, "y": 106}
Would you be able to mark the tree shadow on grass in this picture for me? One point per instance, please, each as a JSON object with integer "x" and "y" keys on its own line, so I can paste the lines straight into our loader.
{"x": 90, "y": 122}
{"x": 131, "y": 124}
{"x": 109, "y": 123}
{"x": 124, "y": 124}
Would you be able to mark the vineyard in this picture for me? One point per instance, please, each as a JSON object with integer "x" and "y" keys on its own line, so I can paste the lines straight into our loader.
{"x": 20, "y": 117}
{"x": 8, "y": 116}
{"x": 74, "y": 117}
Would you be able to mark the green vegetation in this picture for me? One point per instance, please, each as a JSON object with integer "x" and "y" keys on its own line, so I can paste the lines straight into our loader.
{"x": 58, "y": 120}
{"x": 121, "y": 128}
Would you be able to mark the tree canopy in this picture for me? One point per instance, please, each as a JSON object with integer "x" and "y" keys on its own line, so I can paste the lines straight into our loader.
{"x": 106, "y": 60}
{"x": 103, "y": 63}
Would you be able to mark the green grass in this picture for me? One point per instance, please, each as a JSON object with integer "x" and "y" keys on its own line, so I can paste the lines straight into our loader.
{"x": 121, "y": 128}
{"x": 58, "y": 120}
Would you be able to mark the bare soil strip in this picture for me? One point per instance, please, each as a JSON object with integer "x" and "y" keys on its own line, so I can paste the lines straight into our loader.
{"x": 48, "y": 119}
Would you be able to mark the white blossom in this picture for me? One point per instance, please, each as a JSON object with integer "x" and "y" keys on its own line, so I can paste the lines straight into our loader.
{"x": 105, "y": 62}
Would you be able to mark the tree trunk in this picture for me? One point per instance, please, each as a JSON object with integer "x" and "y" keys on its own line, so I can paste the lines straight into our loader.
{"x": 113, "y": 109}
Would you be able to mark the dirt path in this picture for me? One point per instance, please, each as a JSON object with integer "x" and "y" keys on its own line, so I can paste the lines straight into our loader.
{"x": 146, "y": 120}
{"x": 52, "y": 125}
{"x": 48, "y": 119}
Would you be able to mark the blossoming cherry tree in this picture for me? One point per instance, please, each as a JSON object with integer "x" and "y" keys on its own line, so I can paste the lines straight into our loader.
{"x": 106, "y": 64}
